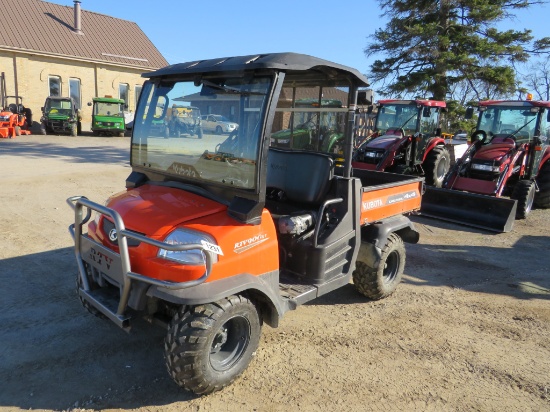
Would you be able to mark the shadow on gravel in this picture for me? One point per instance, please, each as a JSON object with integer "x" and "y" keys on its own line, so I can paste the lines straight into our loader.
{"x": 81, "y": 154}
{"x": 490, "y": 270}
{"x": 54, "y": 354}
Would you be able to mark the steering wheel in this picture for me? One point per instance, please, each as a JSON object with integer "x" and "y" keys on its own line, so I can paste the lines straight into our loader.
{"x": 510, "y": 133}
{"x": 483, "y": 135}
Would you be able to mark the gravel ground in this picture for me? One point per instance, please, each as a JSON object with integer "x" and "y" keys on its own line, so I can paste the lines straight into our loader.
{"x": 468, "y": 329}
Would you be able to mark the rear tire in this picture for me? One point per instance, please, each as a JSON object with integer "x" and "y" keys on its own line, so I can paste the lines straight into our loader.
{"x": 208, "y": 346}
{"x": 436, "y": 166}
{"x": 219, "y": 130}
{"x": 380, "y": 282}
{"x": 524, "y": 193}
{"x": 542, "y": 198}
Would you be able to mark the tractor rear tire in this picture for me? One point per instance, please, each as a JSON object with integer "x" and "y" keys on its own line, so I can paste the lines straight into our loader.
{"x": 208, "y": 346}
{"x": 542, "y": 198}
{"x": 524, "y": 193}
{"x": 436, "y": 166}
{"x": 380, "y": 282}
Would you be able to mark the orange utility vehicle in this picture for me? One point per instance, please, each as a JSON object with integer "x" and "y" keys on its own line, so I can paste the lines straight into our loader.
{"x": 14, "y": 118}
{"x": 215, "y": 236}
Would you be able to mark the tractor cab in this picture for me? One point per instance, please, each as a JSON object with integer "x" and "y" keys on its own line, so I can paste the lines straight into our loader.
{"x": 407, "y": 139}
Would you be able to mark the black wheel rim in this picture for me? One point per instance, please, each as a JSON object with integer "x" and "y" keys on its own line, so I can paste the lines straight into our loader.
{"x": 391, "y": 267}
{"x": 230, "y": 343}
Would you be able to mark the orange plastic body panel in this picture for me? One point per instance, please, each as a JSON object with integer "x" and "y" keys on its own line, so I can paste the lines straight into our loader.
{"x": 156, "y": 211}
{"x": 380, "y": 203}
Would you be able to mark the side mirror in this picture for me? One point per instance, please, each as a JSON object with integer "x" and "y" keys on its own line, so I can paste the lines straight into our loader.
{"x": 89, "y": 103}
{"x": 42, "y": 108}
{"x": 438, "y": 131}
{"x": 126, "y": 106}
{"x": 469, "y": 113}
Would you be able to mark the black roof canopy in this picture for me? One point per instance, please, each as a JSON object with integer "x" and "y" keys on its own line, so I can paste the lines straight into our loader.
{"x": 291, "y": 63}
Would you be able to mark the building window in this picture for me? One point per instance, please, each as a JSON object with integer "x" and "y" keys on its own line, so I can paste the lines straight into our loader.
{"x": 74, "y": 91}
{"x": 137, "y": 92}
{"x": 123, "y": 92}
{"x": 55, "y": 85}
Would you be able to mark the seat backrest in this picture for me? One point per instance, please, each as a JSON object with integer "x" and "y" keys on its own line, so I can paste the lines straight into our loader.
{"x": 303, "y": 176}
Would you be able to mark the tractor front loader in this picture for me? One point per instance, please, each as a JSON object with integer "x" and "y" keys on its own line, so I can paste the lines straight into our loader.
{"x": 504, "y": 172}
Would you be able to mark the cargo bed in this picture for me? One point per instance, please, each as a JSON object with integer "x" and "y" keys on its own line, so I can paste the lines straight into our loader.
{"x": 384, "y": 195}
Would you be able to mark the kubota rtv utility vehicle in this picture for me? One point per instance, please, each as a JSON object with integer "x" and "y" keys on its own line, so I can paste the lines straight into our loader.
{"x": 213, "y": 243}
{"x": 407, "y": 139}
{"x": 504, "y": 172}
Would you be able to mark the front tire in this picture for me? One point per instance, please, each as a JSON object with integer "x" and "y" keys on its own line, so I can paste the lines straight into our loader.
{"x": 436, "y": 166}
{"x": 74, "y": 130}
{"x": 208, "y": 346}
{"x": 524, "y": 193}
{"x": 380, "y": 282}
{"x": 43, "y": 129}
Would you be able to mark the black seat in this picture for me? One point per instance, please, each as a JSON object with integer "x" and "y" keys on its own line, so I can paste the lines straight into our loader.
{"x": 304, "y": 177}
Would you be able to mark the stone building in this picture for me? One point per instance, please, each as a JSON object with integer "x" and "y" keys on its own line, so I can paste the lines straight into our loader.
{"x": 47, "y": 49}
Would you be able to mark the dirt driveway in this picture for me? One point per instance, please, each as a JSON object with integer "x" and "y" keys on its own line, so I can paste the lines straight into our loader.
{"x": 468, "y": 330}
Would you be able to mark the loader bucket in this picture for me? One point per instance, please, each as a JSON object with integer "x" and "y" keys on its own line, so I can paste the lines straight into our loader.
{"x": 495, "y": 214}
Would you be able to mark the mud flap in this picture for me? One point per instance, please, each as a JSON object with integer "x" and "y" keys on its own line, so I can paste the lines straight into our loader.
{"x": 495, "y": 214}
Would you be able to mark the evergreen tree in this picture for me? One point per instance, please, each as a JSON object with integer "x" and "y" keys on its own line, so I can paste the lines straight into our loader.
{"x": 432, "y": 45}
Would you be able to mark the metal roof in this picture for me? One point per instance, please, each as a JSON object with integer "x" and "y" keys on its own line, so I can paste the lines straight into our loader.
{"x": 288, "y": 62}
{"x": 46, "y": 28}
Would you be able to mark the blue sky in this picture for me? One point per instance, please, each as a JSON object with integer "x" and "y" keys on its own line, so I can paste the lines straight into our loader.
{"x": 337, "y": 30}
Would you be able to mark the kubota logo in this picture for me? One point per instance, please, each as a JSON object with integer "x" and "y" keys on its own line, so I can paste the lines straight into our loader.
{"x": 113, "y": 237}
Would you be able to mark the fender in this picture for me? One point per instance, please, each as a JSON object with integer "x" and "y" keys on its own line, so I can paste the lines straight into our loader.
{"x": 433, "y": 142}
{"x": 374, "y": 237}
{"x": 264, "y": 289}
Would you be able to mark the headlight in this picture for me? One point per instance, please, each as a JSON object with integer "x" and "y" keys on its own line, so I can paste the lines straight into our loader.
{"x": 188, "y": 257}
{"x": 486, "y": 168}
{"x": 374, "y": 154}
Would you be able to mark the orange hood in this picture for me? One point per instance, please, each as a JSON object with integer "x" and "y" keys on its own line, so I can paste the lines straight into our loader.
{"x": 156, "y": 210}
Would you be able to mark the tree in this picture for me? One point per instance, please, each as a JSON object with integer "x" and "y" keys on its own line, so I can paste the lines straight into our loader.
{"x": 538, "y": 79}
{"x": 435, "y": 45}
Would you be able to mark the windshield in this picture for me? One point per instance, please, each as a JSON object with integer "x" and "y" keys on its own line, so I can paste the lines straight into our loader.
{"x": 185, "y": 149}
{"x": 397, "y": 116}
{"x": 518, "y": 121}
{"x": 58, "y": 107}
{"x": 108, "y": 109}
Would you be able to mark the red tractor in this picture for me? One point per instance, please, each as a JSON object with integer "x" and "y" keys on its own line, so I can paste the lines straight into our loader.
{"x": 407, "y": 140}
{"x": 504, "y": 172}
{"x": 14, "y": 117}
